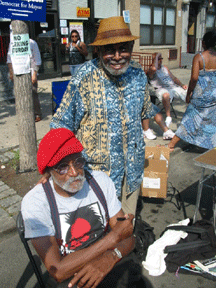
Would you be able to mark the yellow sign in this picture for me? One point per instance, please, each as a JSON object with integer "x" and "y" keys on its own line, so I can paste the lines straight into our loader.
{"x": 83, "y": 12}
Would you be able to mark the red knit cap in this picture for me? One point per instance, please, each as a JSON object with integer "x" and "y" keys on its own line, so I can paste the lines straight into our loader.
{"x": 55, "y": 145}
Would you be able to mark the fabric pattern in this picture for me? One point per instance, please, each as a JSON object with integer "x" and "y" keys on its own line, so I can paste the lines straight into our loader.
{"x": 105, "y": 114}
{"x": 198, "y": 125}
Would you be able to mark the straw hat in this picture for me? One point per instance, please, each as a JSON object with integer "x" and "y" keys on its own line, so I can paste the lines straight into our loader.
{"x": 113, "y": 30}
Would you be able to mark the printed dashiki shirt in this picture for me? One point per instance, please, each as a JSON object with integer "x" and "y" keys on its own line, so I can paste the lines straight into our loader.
{"x": 105, "y": 114}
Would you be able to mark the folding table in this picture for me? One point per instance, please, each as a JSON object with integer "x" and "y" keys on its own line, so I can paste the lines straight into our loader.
{"x": 207, "y": 161}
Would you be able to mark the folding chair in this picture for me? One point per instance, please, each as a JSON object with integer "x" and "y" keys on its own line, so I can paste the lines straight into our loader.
{"x": 58, "y": 89}
{"x": 21, "y": 230}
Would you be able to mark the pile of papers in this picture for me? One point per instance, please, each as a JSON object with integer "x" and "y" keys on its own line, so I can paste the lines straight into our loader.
{"x": 205, "y": 267}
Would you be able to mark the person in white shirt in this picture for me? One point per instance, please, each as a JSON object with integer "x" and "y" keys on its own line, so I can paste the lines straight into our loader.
{"x": 35, "y": 62}
{"x": 166, "y": 85}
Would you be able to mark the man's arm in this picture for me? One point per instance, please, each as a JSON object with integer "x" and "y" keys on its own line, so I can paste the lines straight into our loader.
{"x": 96, "y": 270}
{"x": 62, "y": 268}
{"x": 176, "y": 80}
{"x": 10, "y": 68}
{"x": 9, "y": 63}
{"x": 152, "y": 70}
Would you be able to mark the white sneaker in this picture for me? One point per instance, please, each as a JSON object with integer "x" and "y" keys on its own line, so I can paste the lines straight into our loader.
{"x": 149, "y": 134}
{"x": 168, "y": 121}
{"x": 168, "y": 135}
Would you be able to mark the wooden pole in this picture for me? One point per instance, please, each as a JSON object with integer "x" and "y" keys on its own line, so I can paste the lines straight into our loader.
{"x": 25, "y": 112}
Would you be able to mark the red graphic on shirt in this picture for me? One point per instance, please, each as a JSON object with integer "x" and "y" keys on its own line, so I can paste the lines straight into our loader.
{"x": 85, "y": 227}
{"x": 78, "y": 231}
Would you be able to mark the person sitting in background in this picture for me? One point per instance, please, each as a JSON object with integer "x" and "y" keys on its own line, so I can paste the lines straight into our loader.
{"x": 168, "y": 134}
{"x": 166, "y": 85}
{"x": 198, "y": 125}
{"x": 77, "y": 51}
{"x": 87, "y": 250}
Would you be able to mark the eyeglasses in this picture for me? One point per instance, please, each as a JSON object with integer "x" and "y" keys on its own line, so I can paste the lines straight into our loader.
{"x": 160, "y": 58}
{"x": 63, "y": 168}
{"x": 74, "y": 36}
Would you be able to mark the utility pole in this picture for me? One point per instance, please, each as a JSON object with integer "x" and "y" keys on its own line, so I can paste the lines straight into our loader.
{"x": 25, "y": 111}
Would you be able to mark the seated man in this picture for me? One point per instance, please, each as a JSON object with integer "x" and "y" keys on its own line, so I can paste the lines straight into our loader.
{"x": 166, "y": 85}
{"x": 84, "y": 251}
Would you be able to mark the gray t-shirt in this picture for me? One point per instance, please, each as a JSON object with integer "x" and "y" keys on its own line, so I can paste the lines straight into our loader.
{"x": 82, "y": 216}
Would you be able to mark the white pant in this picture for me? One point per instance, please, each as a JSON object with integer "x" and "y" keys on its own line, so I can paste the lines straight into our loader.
{"x": 175, "y": 92}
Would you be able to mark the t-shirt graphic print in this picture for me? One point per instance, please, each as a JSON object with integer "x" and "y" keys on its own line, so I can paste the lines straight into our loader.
{"x": 81, "y": 228}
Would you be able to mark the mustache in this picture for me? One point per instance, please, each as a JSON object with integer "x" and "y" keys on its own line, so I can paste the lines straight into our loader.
{"x": 72, "y": 179}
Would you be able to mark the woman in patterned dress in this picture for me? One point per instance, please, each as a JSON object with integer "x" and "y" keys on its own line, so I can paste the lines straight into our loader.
{"x": 198, "y": 125}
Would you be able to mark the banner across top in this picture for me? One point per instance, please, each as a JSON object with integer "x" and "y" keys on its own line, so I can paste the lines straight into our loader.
{"x": 26, "y": 10}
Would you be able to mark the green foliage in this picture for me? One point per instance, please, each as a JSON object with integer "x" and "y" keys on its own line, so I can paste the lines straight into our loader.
{"x": 15, "y": 161}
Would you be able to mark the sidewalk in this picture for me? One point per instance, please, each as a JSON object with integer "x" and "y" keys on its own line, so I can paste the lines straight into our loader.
{"x": 9, "y": 142}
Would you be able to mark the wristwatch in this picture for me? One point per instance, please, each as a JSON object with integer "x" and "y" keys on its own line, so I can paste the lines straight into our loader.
{"x": 117, "y": 253}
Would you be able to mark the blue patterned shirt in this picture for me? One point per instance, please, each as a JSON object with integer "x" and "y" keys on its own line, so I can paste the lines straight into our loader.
{"x": 105, "y": 114}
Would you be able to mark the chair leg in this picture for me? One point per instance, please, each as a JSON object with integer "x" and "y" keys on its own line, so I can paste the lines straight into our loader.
{"x": 35, "y": 268}
{"x": 173, "y": 110}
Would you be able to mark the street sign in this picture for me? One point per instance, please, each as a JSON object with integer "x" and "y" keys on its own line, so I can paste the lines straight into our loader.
{"x": 83, "y": 12}
{"x": 25, "y": 10}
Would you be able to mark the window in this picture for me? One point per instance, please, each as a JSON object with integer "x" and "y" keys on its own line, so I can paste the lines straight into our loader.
{"x": 210, "y": 18}
{"x": 157, "y": 22}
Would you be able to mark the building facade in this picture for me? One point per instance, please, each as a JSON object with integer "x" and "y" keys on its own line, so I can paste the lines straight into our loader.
{"x": 173, "y": 27}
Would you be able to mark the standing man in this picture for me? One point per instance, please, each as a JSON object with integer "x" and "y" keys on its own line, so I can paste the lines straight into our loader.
{"x": 166, "y": 85}
{"x": 104, "y": 105}
{"x": 35, "y": 62}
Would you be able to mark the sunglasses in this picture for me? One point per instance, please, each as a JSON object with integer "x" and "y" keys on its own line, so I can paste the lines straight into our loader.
{"x": 63, "y": 168}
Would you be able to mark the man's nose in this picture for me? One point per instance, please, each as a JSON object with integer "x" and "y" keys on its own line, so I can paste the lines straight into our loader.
{"x": 117, "y": 55}
{"x": 72, "y": 171}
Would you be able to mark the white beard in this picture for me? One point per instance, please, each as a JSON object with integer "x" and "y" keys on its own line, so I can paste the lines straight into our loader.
{"x": 113, "y": 71}
{"x": 66, "y": 186}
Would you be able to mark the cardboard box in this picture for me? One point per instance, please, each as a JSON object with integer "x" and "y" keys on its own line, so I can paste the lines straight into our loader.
{"x": 155, "y": 172}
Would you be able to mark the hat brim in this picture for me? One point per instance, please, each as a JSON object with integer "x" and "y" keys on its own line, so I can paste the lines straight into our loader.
{"x": 114, "y": 40}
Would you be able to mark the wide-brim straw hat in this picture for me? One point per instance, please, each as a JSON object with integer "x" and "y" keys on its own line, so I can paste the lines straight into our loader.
{"x": 113, "y": 30}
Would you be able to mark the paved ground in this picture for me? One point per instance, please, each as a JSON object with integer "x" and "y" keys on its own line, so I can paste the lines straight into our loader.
{"x": 183, "y": 177}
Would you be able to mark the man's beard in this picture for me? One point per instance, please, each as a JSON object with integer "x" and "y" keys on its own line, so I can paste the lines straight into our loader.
{"x": 66, "y": 186}
{"x": 115, "y": 72}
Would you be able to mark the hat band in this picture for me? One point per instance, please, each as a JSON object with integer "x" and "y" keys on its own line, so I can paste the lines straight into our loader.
{"x": 113, "y": 33}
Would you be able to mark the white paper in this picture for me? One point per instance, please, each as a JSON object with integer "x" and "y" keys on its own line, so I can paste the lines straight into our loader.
{"x": 64, "y": 30}
{"x": 152, "y": 183}
{"x": 162, "y": 157}
{"x": 21, "y": 64}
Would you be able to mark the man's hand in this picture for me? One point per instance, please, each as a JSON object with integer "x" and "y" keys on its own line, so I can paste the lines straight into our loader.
{"x": 94, "y": 272}
{"x": 185, "y": 87}
{"x": 124, "y": 229}
{"x": 34, "y": 77}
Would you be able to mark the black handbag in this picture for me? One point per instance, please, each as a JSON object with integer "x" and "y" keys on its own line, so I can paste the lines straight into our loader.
{"x": 200, "y": 244}
{"x": 144, "y": 237}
